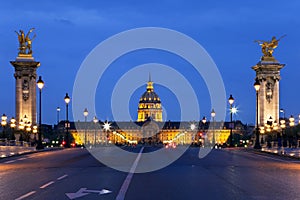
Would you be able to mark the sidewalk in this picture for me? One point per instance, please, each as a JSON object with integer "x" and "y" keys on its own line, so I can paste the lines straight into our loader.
{"x": 8, "y": 151}
{"x": 283, "y": 151}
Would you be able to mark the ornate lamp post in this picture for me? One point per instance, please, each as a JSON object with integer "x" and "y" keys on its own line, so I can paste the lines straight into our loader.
{"x": 95, "y": 120}
{"x": 21, "y": 128}
{"x": 257, "y": 144}
{"x": 3, "y": 124}
{"x": 292, "y": 124}
{"x": 213, "y": 114}
{"x": 40, "y": 84}
{"x": 203, "y": 127}
{"x": 28, "y": 130}
{"x": 85, "y": 114}
{"x": 282, "y": 126}
{"x": 67, "y": 101}
{"x": 57, "y": 113}
{"x": 106, "y": 127}
{"x": 231, "y": 100}
{"x": 12, "y": 126}
{"x": 282, "y": 111}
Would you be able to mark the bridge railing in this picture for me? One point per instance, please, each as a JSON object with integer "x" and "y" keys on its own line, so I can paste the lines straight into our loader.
{"x": 6, "y": 142}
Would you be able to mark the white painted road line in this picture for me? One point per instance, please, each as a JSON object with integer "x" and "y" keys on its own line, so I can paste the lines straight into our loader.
{"x": 127, "y": 181}
{"x": 11, "y": 161}
{"x": 26, "y": 195}
{"x": 22, "y": 158}
{"x": 46, "y": 185}
{"x": 62, "y": 177}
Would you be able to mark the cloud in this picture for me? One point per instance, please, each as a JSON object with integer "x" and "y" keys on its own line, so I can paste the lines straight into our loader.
{"x": 64, "y": 21}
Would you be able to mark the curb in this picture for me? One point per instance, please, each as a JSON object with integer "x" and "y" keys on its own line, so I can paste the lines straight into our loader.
{"x": 31, "y": 152}
{"x": 273, "y": 153}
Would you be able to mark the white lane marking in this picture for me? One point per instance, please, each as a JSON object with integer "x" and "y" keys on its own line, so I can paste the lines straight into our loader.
{"x": 26, "y": 195}
{"x": 127, "y": 181}
{"x": 22, "y": 158}
{"x": 46, "y": 185}
{"x": 11, "y": 161}
{"x": 62, "y": 177}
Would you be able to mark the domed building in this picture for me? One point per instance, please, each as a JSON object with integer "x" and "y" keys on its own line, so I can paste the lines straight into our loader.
{"x": 149, "y": 105}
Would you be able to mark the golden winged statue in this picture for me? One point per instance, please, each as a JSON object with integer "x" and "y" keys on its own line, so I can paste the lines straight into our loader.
{"x": 267, "y": 47}
{"x": 25, "y": 42}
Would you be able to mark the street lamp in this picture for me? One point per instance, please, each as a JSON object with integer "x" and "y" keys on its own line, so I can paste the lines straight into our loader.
{"x": 292, "y": 124}
{"x": 12, "y": 126}
{"x": 3, "y": 124}
{"x": 203, "y": 127}
{"x": 292, "y": 121}
{"x": 95, "y": 120}
{"x": 282, "y": 126}
{"x": 282, "y": 111}
{"x": 67, "y": 101}
{"x": 40, "y": 84}
{"x": 57, "y": 112}
{"x": 21, "y": 124}
{"x": 231, "y": 100}
{"x": 85, "y": 113}
{"x": 213, "y": 114}
{"x": 256, "y": 87}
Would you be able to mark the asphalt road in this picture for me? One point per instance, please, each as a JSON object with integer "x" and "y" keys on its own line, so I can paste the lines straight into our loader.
{"x": 223, "y": 174}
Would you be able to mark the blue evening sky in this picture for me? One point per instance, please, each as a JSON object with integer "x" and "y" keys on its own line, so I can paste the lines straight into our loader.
{"x": 68, "y": 30}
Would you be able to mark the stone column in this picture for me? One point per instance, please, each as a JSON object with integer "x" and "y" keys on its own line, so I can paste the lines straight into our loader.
{"x": 25, "y": 75}
{"x": 268, "y": 74}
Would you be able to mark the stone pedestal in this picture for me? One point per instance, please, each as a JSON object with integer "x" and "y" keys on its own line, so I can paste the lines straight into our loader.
{"x": 25, "y": 75}
{"x": 268, "y": 74}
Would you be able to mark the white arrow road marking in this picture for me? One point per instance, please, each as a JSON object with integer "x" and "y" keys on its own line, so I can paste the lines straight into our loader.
{"x": 84, "y": 191}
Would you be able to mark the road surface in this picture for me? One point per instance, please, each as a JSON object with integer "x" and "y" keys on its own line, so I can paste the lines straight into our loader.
{"x": 223, "y": 174}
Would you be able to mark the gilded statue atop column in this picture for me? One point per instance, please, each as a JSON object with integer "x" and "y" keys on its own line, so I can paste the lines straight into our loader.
{"x": 25, "y": 42}
{"x": 267, "y": 48}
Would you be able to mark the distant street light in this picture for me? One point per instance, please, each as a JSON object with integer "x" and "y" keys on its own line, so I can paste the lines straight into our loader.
{"x": 292, "y": 121}
{"x": 231, "y": 100}
{"x": 40, "y": 84}
{"x": 3, "y": 124}
{"x": 85, "y": 114}
{"x": 203, "y": 127}
{"x": 67, "y": 101}
{"x": 213, "y": 114}
{"x": 282, "y": 111}
{"x": 95, "y": 120}
{"x": 257, "y": 87}
{"x": 21, "y": 124}
{"x": 292, "y": 124}
{"x": 12, "y": 126}
{"x": 57, "y": 112}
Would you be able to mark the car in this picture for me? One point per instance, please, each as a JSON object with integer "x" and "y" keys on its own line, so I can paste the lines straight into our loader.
{"x": 171, "y": 145}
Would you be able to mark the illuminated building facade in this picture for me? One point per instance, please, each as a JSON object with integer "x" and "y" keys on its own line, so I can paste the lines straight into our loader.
{"x": 149, "y": 105}
{"x": 152, "y": 132}
{"x": 151, "y": 129}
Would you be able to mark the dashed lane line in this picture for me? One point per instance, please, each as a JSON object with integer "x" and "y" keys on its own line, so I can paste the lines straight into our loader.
{"x": 26, "y": 195}
{"x": 47, "y": 184}
{"x": 42, "y": 187}
{"x": 62, "y": 177}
